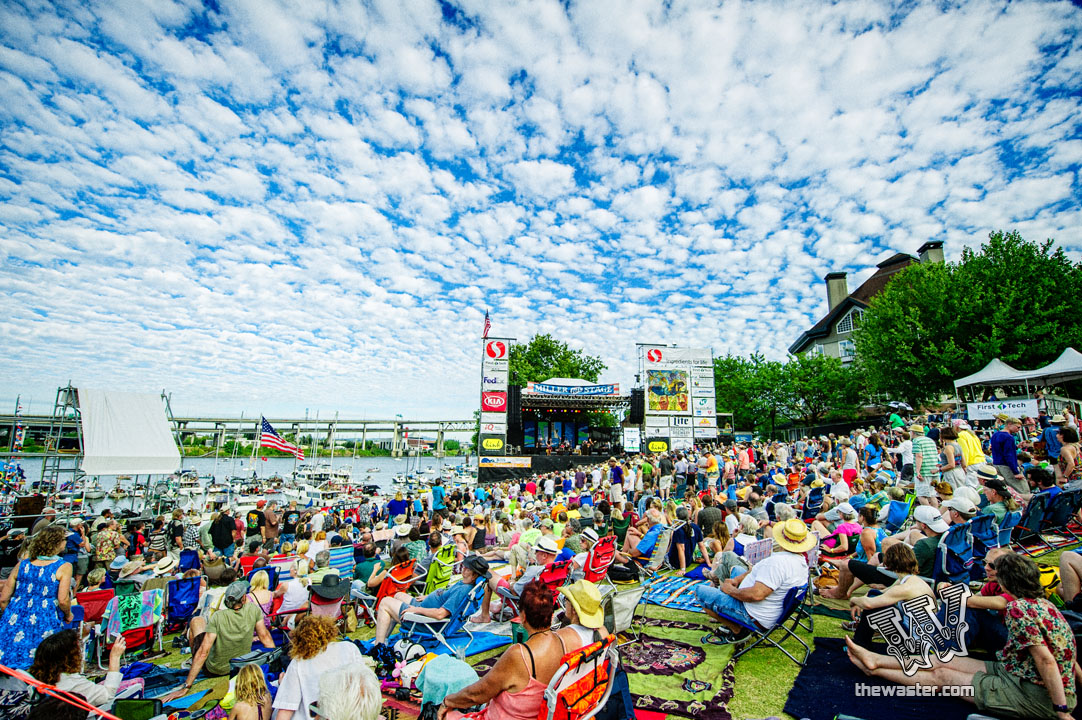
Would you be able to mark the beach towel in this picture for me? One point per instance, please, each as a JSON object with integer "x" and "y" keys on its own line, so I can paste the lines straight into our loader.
{"x": 127, "y": 612}
{"x": 675, "y": 592}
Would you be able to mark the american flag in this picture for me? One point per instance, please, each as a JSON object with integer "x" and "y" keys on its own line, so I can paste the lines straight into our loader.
{"x": 270, "y": 438}
{"x": 488, "y": 326}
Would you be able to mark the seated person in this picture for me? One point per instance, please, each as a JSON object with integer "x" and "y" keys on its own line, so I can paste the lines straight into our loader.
{"x": 246, "y": 560}
{"x": 435, "y": 542}
{"x": 899, "y": 559}
{"x": 685, "y": 540}
{"x": 748, "y": 533}
{"x": 641, "y": 545}
{"x": 757, "y": 596}
{"x": 842, "y": 538}
{"x": 437, "y": 605}
{"x": 350, "y": 693}
{"x": 544, "y": 554}
{"x": 228, "y": 634}
{"x": 367, "y": 568}
{"x": 322, "y": 567}
{"x": 94, "y": 579}
{"x": 58, "y": 660}
{"x": 985, "y": 611}
{"x": 400, "y": 556}
{"x": 587, "y": 539}
{"x": 514, "y": 687}
{"x": 1035, "y": 673}
{"x": 211, "y": 599}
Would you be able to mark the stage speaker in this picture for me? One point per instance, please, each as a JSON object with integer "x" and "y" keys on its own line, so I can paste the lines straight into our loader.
{"x": 638, "y": 406}
{"x": 514, "y": 408}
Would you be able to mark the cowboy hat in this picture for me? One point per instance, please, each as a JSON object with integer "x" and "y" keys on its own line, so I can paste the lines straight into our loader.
{"x": 477, "y": 564}
{"x": 131, "y": 568}
{"x": 165, "y": 565}
{"x": 793, "y": 536}
{"x": 585, "y": 598}
{"x": 331, "y": 587}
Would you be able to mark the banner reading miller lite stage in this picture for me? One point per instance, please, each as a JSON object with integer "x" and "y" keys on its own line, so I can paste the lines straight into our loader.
{"x": 495, "y": 353}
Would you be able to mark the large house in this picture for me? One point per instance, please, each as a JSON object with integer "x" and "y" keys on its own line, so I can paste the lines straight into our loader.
{"x": 833, "y": 334}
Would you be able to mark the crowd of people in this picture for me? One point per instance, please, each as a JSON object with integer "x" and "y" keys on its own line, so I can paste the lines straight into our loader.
{"x": 720, "y": 501}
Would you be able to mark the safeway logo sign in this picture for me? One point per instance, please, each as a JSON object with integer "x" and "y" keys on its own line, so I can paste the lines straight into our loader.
{"x": 494, "y": 401}
{"x": 496, "y": 350}
{"x": 653, "y": 355}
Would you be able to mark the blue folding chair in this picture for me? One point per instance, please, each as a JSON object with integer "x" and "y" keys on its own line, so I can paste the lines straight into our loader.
{"x": 429, "y": 631}
{"x": 1030, "y": 523}
{"x": 788, "y": 621}
{"x": 897, "y": 514}
{"x": 342, "y": 560}
{"x": 1010, "y": 522}
{"x": 985, "y": 534}
{"x": 1060, "y": 512}
{"x": 189, "y": 560}
{"x": 183, "y": 601}
{"x": 954, "y": 555}
{"x": 812, "y": 504}
{"x": 272, "y": 575}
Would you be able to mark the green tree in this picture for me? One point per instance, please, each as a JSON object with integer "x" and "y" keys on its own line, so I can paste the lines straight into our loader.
{"x": 544, "y": 357}
{"x": 753, "y": 389}
{"x": 820, "y": 386}
{"x": 933, "y": 323}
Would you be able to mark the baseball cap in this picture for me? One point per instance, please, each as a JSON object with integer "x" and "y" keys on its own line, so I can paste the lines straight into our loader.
{"x": 929, "y": 516}
{"x": 962, "y": 505}
{"x": 236, "y": 591}
{"x": 846, "y": 509}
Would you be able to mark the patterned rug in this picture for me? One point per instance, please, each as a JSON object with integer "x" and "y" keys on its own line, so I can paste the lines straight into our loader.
{"x": 677, "y": 593}
{"x": 674, "y": 673}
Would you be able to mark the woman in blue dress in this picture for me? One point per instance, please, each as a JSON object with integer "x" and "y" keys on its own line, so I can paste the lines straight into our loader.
{"x": 36, "y": 599}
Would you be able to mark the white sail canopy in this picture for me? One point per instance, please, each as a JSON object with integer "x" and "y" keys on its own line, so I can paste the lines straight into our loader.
{"x": 126, "y": 433}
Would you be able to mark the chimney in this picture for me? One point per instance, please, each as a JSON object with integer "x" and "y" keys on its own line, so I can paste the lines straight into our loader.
{"x": 837, "y": 289}
{"x": 931, "y": 252}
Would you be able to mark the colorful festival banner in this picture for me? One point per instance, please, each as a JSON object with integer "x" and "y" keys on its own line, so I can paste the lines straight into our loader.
{"x": 535, "y": 388}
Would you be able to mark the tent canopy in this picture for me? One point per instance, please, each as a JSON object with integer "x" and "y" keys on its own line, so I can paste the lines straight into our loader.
{"x": 995, "y": 372}
{"x": 126, "y": 433}
{"x": 1067, "y": 367}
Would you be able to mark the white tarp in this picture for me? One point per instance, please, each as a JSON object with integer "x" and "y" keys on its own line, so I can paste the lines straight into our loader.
{"x": 1067, "y": 367}
{"x": 126, "y": 433}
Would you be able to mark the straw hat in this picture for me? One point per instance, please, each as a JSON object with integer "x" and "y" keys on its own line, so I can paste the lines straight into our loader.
{"x": 402, "y": 530}
{"x": 793, "y": 536}
{"x": 457, "y": 530}
{"x": 131, "y": 568}
{"x": 165, "y": 565}
{"x": 585, "y": 598}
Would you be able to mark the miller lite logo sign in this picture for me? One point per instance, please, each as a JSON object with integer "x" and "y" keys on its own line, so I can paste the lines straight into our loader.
{"x": 653, "y": 355}
{"x": 494, "y": 401}
{"x": 496, "y": 350}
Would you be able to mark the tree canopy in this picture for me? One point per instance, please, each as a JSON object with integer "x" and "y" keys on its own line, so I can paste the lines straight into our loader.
{"x": 1012, "y": 299}
{"x": 545, "y": 357}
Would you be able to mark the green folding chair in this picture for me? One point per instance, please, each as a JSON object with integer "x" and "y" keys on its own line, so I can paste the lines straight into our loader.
{"x": 442, "y": 569}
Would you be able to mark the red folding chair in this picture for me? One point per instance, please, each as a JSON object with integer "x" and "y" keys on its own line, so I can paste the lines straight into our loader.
{"x": 94, "y": 603}
{"x": 598, "y": 561}
{"x": 554, "y": 576}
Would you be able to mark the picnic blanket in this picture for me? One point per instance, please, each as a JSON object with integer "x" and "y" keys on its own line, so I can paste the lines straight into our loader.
{"x": 482, "y": 642}
{"x": 677, "y": 593}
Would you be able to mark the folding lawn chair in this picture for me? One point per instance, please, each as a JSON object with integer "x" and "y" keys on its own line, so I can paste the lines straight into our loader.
{"x": 897, "y": 514}
{"x": 787, "y": 623}
{"x": 272, "y": 571}
{"x": 137, "y": 617}
{"x": 1060, "y": 513}
{"x": 954, "y": 556}
{"x": 247, "y": 562}
{"x": 398, "y": 579}
{"x": 189, "y": 560}
{"x": 441, "y": 569}
{"x": 813, "y": 503}
{"x": 599, "y": 559}
{"x": 659, "y": 558}
{"x": 1030, "y": 523}
{"x": 182, "y": 602}
{"x": 342, "y": 560}
{"x": 554, "y": 576}
{"x": 582, "y": 684}
{"x": 94, "y": 603}
{"x": 1010, "y": 521}
{"x": 421, "y": 628}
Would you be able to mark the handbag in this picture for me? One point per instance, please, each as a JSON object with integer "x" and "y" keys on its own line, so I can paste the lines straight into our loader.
{"x": 137, "y": 709}
{"x": 350, "y": 615}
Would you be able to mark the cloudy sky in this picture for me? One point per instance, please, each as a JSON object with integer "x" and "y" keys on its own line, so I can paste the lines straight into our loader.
{"x": 277, "y": 206}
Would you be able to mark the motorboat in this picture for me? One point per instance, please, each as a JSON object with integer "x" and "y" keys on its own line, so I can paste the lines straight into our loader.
{"x": 93, "y": 491}
{"x": 373, "y": 470}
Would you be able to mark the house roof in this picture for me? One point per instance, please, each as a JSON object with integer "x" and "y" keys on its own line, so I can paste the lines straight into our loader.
{"x": 861, "y": 297}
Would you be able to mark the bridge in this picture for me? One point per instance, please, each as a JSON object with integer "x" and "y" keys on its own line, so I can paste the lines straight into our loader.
{"x": 46, "y": 427}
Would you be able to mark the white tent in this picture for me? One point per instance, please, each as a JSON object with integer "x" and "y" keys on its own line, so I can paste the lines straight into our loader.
{"x": 995, "y": 372}
{"x": 1067, "y": 367}
{"x": 126, "y": 433}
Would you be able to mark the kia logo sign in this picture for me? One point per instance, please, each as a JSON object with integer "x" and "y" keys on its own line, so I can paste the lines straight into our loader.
{"x": 653, "y": 355}
{"x": 492, "y": 444}
{"x": 496, "y": 349}
{"x": 494, "y": 401}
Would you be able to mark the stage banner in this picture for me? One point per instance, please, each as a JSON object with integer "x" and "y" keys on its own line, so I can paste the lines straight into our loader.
{"x": 535, "y": 388}
{"x": 1012, "y": 408}
{"x": 557, "y": 432}
{"x": 632, "y": 440}
{"x": 706, "y": 422}
{"x": 584, "y": 433}
{"x": 504, "y": 462}
{"x": 495, "y": 354}
{"x": 542, "y": 433}
{"x": 681, "y": 443}
{"x": 529, "y": 434}
{"x": 569, "y": 433}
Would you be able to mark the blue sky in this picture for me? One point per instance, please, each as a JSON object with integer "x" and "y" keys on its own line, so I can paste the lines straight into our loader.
{"x": 270, "y": 206}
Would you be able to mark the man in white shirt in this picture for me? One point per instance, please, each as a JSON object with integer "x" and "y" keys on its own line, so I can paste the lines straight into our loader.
{"x": 550, "y": 486}
{"x": 756, "y": 597}
{"x": 595, "y": 477}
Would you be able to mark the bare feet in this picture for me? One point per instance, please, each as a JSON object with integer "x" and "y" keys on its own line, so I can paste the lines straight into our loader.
{"x": 861, "y": 657}
{"x": 832, "y": 592}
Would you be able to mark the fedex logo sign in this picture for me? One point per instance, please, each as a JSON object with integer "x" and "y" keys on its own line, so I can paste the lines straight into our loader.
{"x": 494, "y": 401}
